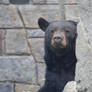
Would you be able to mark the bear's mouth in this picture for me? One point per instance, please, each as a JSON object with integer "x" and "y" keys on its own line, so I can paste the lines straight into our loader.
{"x": 58, "y": 46}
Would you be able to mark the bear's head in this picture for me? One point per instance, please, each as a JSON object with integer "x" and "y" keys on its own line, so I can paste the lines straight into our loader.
{"x": 59, "y": 35}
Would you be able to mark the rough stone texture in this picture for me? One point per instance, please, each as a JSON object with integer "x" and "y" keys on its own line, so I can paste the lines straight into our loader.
{"x": 52, "y": 1}
{"x": 71, "y": 12}
{"x": 0, "y": 42}
{"x": 31, "y": 14}
{"x": 84, "y": 52}
{"x": 20, "y": 1}
{"x": 16, "y": 42}
{"x": 4, "y": 1}
{"x": 18, "y": 69}
{"x": 85, "y": 11}
{"x": 35, "y": 33}
{"x": 82, "y": 12}
{"x": 37, "y": 48}
{"x": 70, "y": 87}
{"x": 71, "y": 1}
{"x": 41, "y": 73}
{"x": 9, "y": 17}
{"x": 26, "y": 88}
{"x": 6, "y": 87}
{"x": 39, "y": 1}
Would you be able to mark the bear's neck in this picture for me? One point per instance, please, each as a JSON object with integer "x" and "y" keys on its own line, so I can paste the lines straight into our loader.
{"x": 56, "y": 62}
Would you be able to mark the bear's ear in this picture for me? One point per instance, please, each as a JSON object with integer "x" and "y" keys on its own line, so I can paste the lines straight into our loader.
{"x": 75, "y": 23}
{"x": 43, "y": 24}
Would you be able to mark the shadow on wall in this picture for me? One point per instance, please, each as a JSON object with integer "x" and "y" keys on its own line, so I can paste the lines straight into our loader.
{"x": 19, "y": 1}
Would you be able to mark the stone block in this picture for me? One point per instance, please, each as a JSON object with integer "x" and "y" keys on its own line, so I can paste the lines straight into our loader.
{"x": 37, "y": 48}
{"x": 41, "y": 73}
{"x": 85, "y": 13}
{"x": 70, "y": 87}
{"x": 32, "y": 13}
{"x": 84, "y": 47}
{"x": 17, "y": 69}
{"x": 4, "y": 1}
{"x": 35, "y": 33}
{"x": 71, "y": 12}
{"x": 20, "y": 1}
{"x": 26, "y": 88}
{"x": 16, "y": 42}
{"x": 52, "y": 1}
{"x": 9, "y": 17}
{"x": 84, "y": 65}
{"x": 71, "y": 1}
{"x": 0, "y": 42}
{"x": 39, "y": 1}
{"x": 6, "y": 87}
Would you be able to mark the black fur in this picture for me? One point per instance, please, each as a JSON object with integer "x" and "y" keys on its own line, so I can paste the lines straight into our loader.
{"x": 61, "y": 63}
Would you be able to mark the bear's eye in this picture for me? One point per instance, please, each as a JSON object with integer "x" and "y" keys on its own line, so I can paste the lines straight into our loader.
{"x": 67, "y": 31}
{"x": 52, "y": 31}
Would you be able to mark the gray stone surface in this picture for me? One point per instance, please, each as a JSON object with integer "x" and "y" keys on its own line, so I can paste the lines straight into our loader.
{"x": 35, "y": 33}
{"x": 85, "y": 11}
{"x": 84, "y": 47}
{"x": 1, "y": 34}
{"x": 18, "y": 69}
{"x": 6, "y": 87}
{"x": 71, "y": 12}
{"x": 84, "y": 65}
{"x": 71, "y": 1}
{"x": 9, "y": 17}
{"x": 52, "y": 1}
{"x": 16, "y": 42}
{"x": 1, "y": 1}
{"x": 4, "y": 1}
{"x": 41, "y": 73}
{"x": 26, "y": 88}
{"x": 70, "y": 87}
{"x": 37, "y": 48}
{"x": 39, "y": 1}
{"x": 31, "y": 14}
{"x": 20, "y": 1}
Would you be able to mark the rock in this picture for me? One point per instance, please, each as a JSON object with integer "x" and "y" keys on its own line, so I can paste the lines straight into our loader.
{"x": 17, "y": 69}
{"x": 0, "y": 42}
{"x": 85, "y": 8}
{"x": 84, "y": 65}
{"x": 52, "y": 1}
{"x": 35, "y": 33}
{"x": 26, "y": 88}
{"x": 9, "y": 17}
{"x": 71, "y": 12}
{"x": 6, "y": 87}
{"x": 70, "y": 87}
{"x": 39, "y": 1}
{"x": 41, "y": 73}
{"x": 84, "y": 47}
{"x": 31, "y": 14}
{"x": 37, "y": 48}
{"x": 71, "y": 2}
{"x": 16, "y": 42}
{"x": 20, "y": 1}
{"x": 4, "y": 1}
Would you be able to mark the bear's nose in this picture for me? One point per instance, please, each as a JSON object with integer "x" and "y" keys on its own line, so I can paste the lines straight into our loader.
{"x": 58, "y": 39}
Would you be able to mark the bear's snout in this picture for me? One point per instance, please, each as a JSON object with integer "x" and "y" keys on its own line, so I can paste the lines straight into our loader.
{"x": 59, "y": 39}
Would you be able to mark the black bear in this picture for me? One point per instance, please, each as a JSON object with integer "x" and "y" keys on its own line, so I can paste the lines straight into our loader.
{"x": 60, "y": 58}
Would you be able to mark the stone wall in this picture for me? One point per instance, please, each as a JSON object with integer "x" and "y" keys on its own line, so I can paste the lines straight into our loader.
{"x": 84, "y": 47}
{"x": 22, "y": 67}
